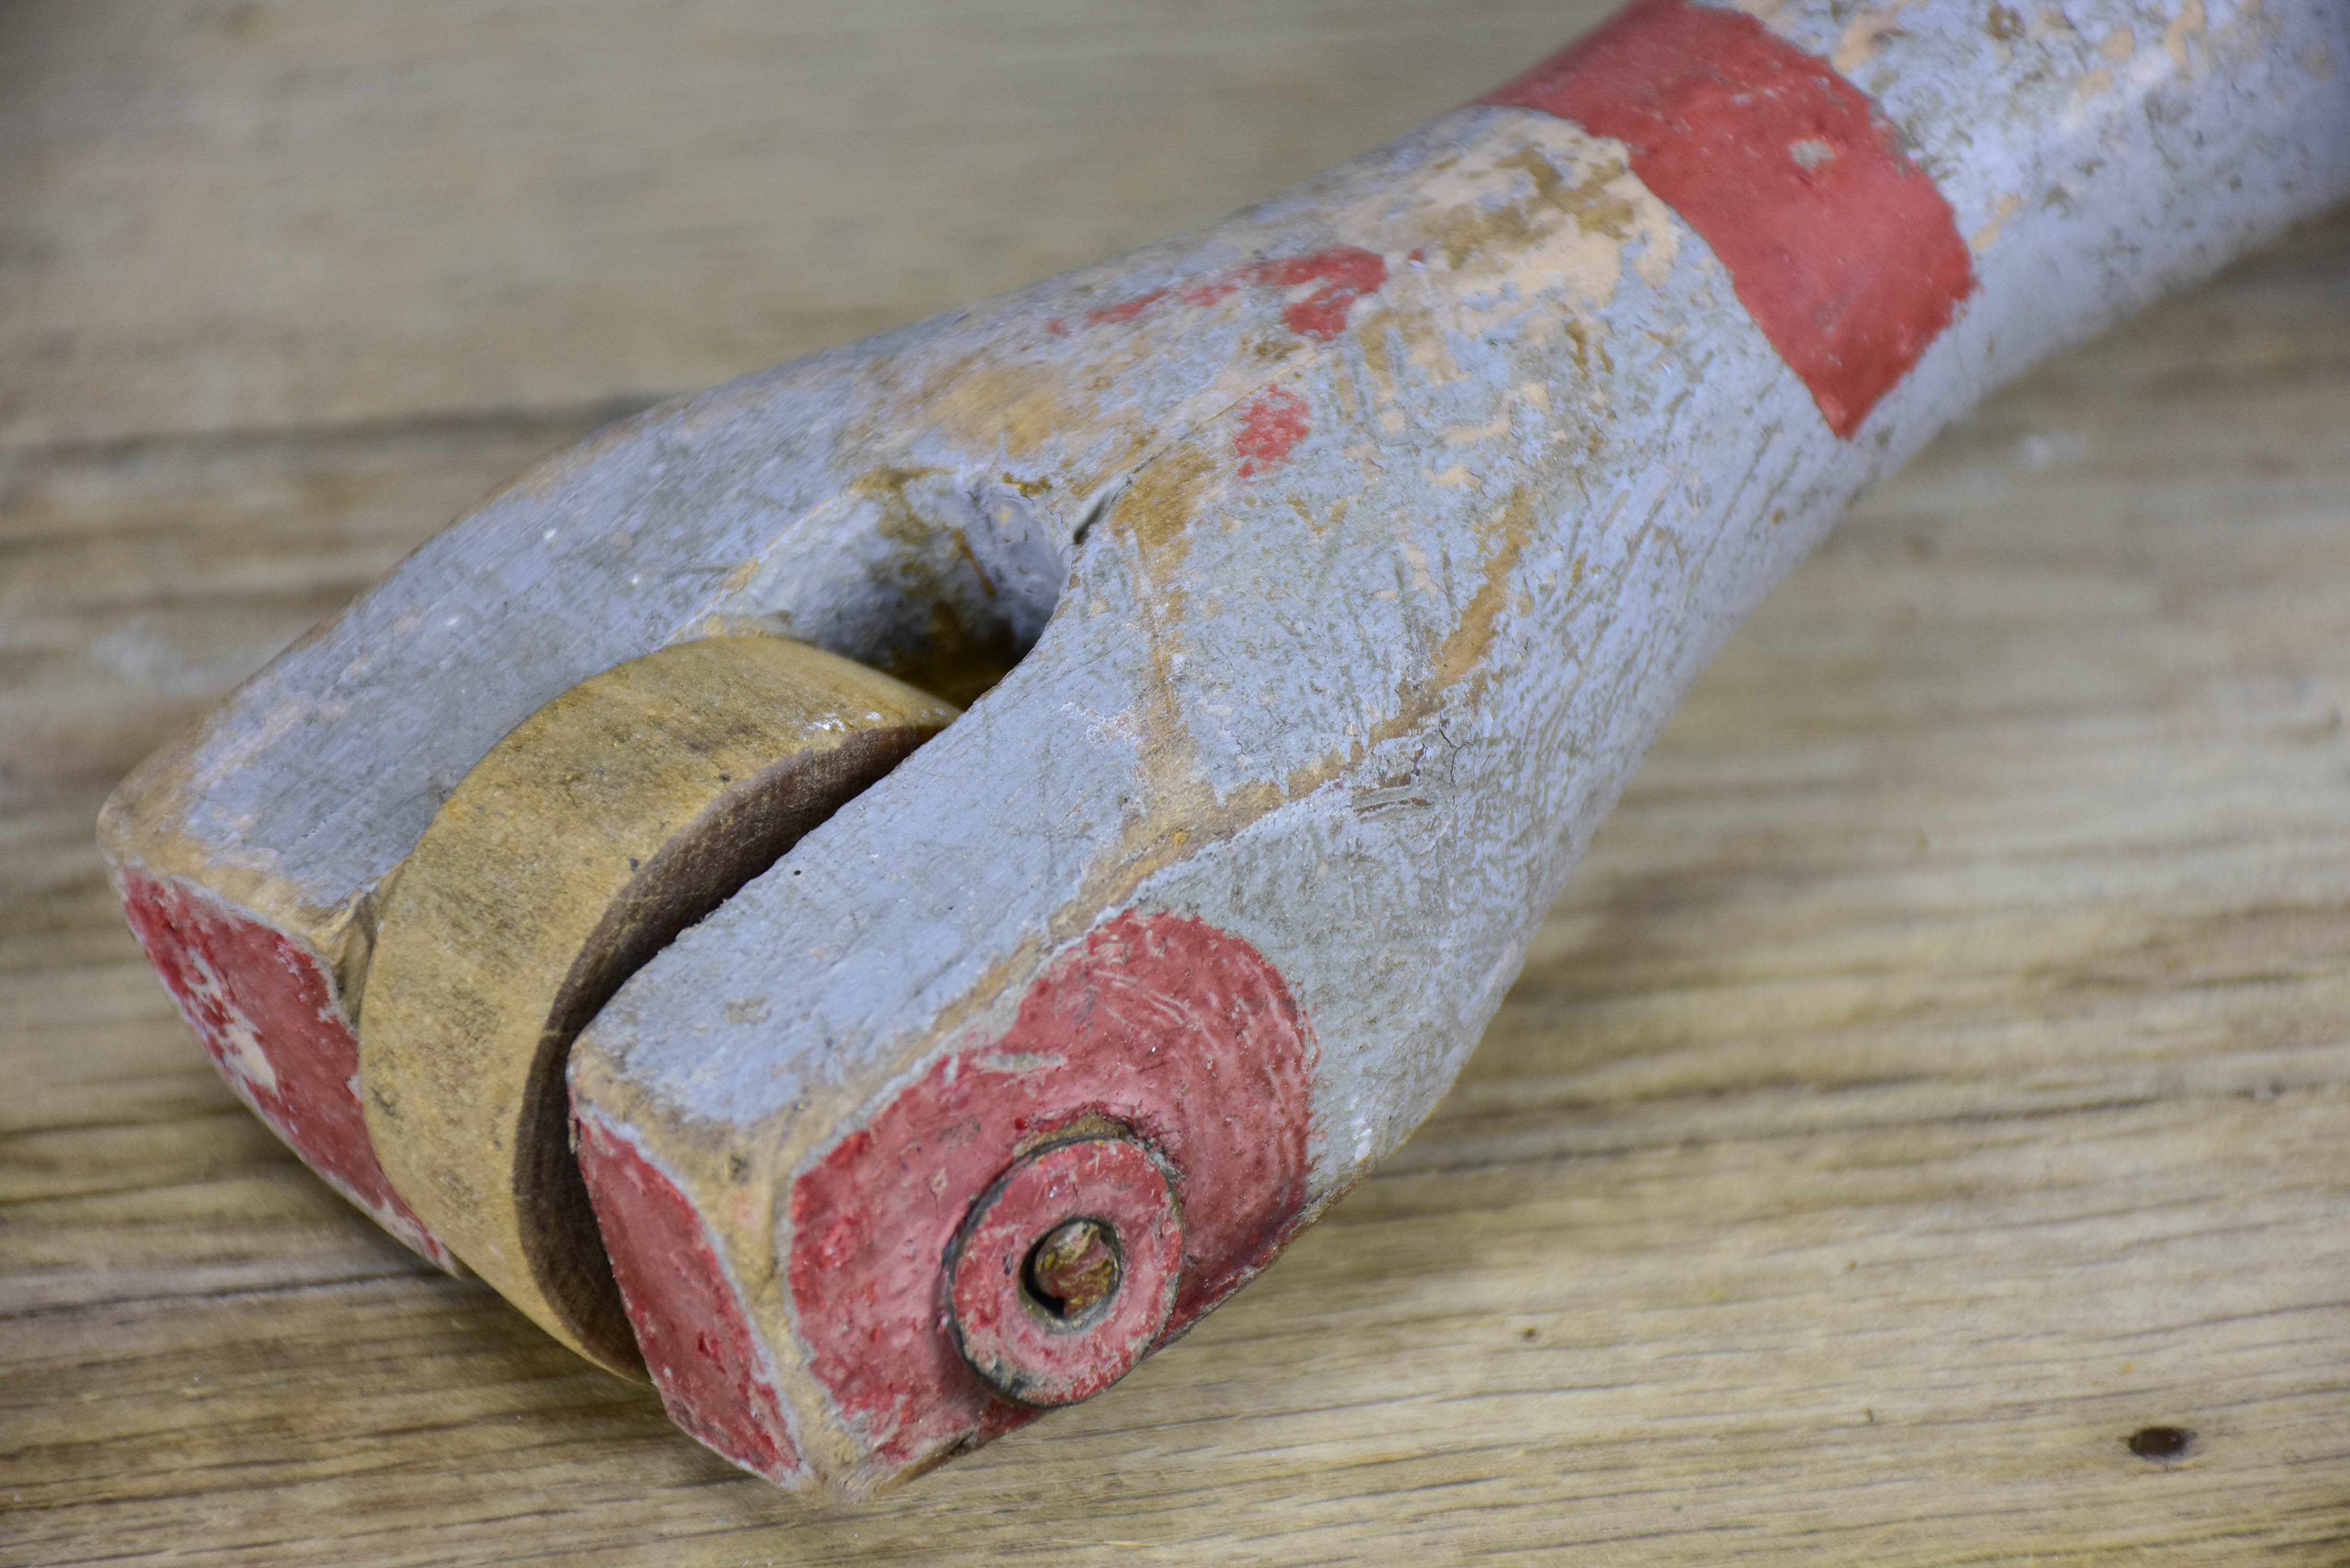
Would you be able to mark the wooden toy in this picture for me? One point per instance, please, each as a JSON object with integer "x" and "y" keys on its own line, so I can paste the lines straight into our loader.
{"x": 1344, "y": 556}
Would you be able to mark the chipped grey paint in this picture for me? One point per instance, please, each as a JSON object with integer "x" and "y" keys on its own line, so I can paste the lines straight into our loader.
{"x": 1364, "y": 706}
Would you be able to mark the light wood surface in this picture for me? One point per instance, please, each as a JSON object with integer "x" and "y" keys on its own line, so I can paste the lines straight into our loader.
{"x": 1940, "y": 1070}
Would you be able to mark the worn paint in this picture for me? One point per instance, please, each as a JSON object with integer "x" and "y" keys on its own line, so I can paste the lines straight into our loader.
{"x": 1322, "y": 287}
{"x": 1360, "y": 708}
{"x": 1179, "y": 1034}
{"x": 1016, "y": 1344}
{"x": 1270, "y": 423}
{"x": 714, "y": 1378}
{"x": 1847, "y": 255}
{"x": 267, "y": 1014}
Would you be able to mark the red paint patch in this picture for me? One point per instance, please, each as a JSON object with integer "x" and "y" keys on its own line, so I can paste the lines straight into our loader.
{"x": 1116, "y": 314}
{"x": 1842, "y": 249}
{"x": 1339, "y": 276}
{"x": 1270, "y": 423}
{"x": 1213, "y": 293}
{"x": 1342, "y": 274}
{"x": 690, "y": 1323}
{"x": 266, "y": 1009}
{"x": 1024, "y": 1352}
{"x": 1169, "y": 1028}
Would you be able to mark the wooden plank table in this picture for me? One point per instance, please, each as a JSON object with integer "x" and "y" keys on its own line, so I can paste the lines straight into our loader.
{"x": 1940, "y": 1071}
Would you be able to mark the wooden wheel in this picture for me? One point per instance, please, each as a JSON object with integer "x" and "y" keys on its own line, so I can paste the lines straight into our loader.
{"x": 597, "y": 830}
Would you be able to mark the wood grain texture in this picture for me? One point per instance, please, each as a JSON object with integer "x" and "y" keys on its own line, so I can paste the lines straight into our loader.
{"x": 1937, "y": 1071}
{"x": 221, "y": 214}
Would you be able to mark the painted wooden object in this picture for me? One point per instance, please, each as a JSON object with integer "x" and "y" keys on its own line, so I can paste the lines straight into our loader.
{"x": 600, "y": 827}
{"x": 1352, "y": 551}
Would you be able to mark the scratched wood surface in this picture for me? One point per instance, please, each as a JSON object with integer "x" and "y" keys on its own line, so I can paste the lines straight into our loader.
{"x": 1940, "y": 1071}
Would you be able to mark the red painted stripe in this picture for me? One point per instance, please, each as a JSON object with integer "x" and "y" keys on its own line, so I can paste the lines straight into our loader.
{"x": 1842, "y": 249}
